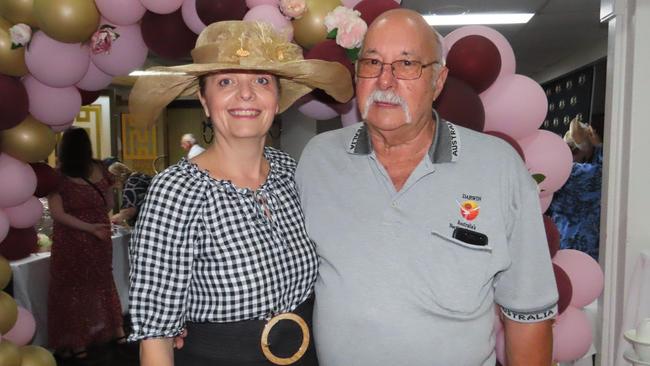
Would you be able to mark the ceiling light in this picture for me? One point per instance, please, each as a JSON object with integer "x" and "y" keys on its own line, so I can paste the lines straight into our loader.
{"x": 479, "y": 18}
{"x": 153, "y": 73}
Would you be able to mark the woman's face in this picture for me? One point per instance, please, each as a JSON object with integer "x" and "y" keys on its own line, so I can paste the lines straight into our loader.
{"x": 240, "y": 104}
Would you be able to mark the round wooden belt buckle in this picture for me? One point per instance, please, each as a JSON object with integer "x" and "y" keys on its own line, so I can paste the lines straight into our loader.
{"x": 265, "y": 339}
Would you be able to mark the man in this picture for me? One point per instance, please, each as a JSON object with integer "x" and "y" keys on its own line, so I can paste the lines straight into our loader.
{"x": 421, "y": 226}
{"x": 188, "y": 143}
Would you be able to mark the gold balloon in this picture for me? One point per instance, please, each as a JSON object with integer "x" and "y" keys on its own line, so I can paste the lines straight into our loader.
{"x": 5, "y": 273}
{"x": 36, "y": 356}
{"x": 70, "y": 21}
{"x": 310, "y": 29}
{"x": 18, "y": 11}
{"x": 9, "y": 354}
{"x": 30, "y": 141}
{"x": 12, "y": 62}
{"x": 8, "y": 312}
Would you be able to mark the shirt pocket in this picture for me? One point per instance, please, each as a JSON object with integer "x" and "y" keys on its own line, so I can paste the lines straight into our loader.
{"x": 460, "y": 274}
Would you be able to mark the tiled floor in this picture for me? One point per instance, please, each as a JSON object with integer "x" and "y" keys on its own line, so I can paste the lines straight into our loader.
{"x": 106, "y": 355}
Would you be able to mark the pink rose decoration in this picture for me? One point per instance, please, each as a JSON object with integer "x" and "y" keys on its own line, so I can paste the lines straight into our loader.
{"x": 21, "y": 34}
{"x": 349, "y": 25}
{"x": 293, "y": 8}
{"x": 102, "y": 40}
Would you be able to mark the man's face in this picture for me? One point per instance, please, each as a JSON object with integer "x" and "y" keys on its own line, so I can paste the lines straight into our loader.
{"x": 186, "y": 145}
{"x": 386, "y": 102}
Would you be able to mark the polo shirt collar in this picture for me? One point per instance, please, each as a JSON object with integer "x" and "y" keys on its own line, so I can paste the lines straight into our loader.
{"x": 445, "y": 147}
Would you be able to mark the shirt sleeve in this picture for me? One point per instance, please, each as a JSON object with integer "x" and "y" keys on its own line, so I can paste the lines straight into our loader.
{"x": 161, "y": 254}
{"x": 526, "y": 290}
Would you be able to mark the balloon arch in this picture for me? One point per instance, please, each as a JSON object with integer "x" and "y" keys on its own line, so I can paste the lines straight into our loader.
{"x": 55, "y": 56}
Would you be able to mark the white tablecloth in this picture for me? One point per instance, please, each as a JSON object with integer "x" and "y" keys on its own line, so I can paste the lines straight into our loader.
{"x": 31, "y": 278}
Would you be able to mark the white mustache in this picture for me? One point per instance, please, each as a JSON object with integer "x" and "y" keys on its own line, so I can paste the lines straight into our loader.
{"x": 386, "y": 97}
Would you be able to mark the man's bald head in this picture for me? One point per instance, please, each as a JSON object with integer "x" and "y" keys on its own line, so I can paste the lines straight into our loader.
{"x": 407, "y": 20}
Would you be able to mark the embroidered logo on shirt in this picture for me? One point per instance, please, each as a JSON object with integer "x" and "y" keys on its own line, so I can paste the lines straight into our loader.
{"x": 469, "y": 209}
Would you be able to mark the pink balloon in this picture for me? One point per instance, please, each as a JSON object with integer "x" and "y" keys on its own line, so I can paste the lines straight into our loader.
{"x": 352, "y": 3}
{"x": 586, "y": 276}
{"x": 25, "y": 214}
{"x": 127, "y": 53}
{"x": 61, "y": 128}
{"x": 55, "y": 63}
{"x": 191, "y": 17}
{"x": 253, "y": 3}
{"x": 315, "y": 109}
{"x": 4, "y": 225}
{"x": 121, "y": 12}
{"x": 545, "y": 201}
{"x": 23, "y": 331}
{"x": 95, "y": 79}
{"x": 571, "y": 335}
{"x": 500, "y": 347}
{"x": 350, "y": 113}
{"x": 162, "y": 6}
{"x": 546, "y": 153}
{"x": 508, "y": 63}
{"x": 18, "y": 181}
{"x": 515, "y": 105}
{"x": 271, "y": 14}
{"x": 52, "y": 106}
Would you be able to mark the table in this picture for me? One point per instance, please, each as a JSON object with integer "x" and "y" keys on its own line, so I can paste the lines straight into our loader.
{"x": 31, "y": 278}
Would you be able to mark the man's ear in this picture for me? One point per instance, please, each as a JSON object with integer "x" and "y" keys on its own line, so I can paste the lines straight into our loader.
{"x": 439, "y": 84}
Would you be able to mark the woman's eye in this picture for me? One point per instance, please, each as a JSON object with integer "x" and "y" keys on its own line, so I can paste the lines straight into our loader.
{"x": 225, "y": 82}
{"x": 263, "y": 80}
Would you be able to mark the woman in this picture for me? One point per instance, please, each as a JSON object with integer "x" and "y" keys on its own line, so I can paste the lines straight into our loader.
{"x": 220, "y": 247}
{"x": 83, "y": 304}
{"x": 134, "y": 187}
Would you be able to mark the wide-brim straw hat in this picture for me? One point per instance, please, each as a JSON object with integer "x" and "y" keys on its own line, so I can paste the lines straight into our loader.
{"x": 233, "y": 46}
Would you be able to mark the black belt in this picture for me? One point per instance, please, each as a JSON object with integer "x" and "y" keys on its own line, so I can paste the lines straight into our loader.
{"x": 283, "y": 340}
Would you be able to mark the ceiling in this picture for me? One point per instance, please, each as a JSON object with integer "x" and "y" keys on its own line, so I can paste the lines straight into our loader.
{"x": 558, "y": 30}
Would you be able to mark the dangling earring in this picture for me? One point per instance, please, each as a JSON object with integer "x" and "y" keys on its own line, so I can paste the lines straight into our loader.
{"x": 207, "y": 126}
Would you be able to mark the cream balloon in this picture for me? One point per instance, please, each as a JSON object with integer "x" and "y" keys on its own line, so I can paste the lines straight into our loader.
{"x": 9, "y": 354}
{"x": 310, "y": 28}
{"x": 70, "y": 21}
{"x": 5, "y": 272}
{"x": 31, "y": 141}
{"x": 36, "y": 356}
{"x": 18, "y": 11}
{"x": 8, "y": 312}
{"x": 12, "y": 61}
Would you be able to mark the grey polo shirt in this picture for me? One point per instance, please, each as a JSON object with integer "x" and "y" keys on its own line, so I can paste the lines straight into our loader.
{"x": 395, "y": 286}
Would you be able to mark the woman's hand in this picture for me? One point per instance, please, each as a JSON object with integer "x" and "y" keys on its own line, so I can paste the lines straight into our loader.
{"x": 100, "y": 231}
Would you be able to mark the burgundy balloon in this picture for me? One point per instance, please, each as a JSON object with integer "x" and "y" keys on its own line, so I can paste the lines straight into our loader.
{"x": 371, "y": 9}
{"x": 475, "y": 60}
{"x": 460, "y": 104}
{"x": 14, "y": 102}
{"x": 47, "y": 179}
{"x": 515, "y": 145}
{"x": 88, "y": 97}
{"x": 211, "y": 11}
{"x": 552, "y": 235}
{"x": 167, "y": 35}
{"x": 564, "y": 288}
{"x": 19, "y": 244}
{"x": 328, "y": 50}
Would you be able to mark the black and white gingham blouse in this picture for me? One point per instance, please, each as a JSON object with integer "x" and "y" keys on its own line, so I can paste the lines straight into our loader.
{"x": 204, "y": 250}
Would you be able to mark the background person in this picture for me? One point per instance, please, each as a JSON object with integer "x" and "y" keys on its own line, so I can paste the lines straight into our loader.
{"x": 189, "y": 144}
{"x": 134, "y": 188}
{"x": 83, "y": 304}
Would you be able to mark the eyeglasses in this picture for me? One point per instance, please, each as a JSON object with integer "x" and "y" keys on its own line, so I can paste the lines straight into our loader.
{"x": 401, "y": 69}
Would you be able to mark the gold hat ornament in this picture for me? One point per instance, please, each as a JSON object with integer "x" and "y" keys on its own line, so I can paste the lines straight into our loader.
{"x": 239, "y": 45}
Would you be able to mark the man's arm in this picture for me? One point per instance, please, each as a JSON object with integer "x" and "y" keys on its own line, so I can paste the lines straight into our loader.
{"x": 528, "y": 344}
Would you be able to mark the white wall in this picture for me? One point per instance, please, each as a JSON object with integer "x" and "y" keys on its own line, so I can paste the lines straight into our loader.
{"x": 297, "y": 130}
{"x": 579, "y": 58}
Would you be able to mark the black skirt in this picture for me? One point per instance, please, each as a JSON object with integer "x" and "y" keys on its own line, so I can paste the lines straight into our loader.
{"x": 238, "y": 343}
